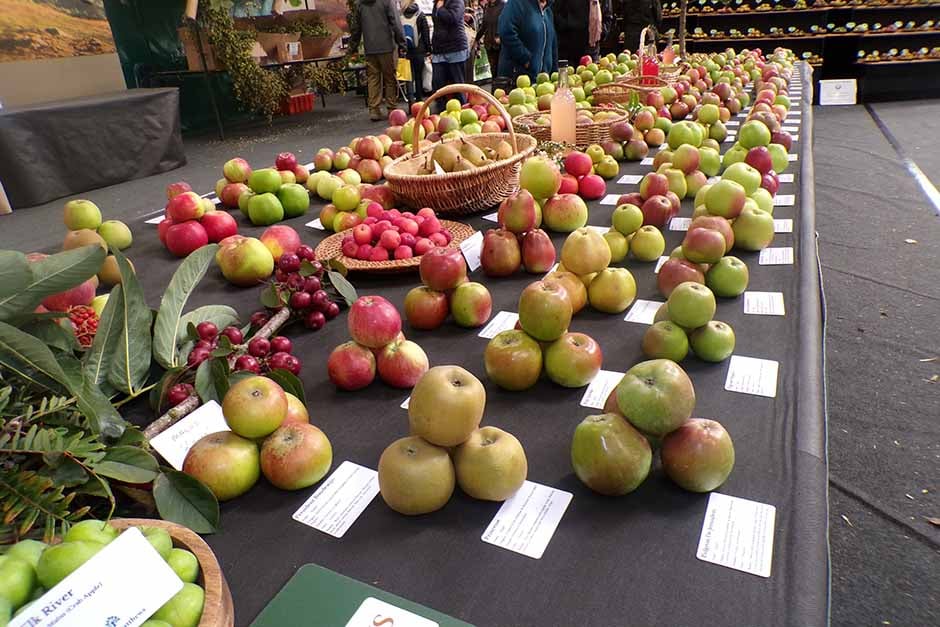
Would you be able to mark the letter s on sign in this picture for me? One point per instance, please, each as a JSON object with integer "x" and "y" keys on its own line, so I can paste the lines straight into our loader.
{"x": 378, "y": 621}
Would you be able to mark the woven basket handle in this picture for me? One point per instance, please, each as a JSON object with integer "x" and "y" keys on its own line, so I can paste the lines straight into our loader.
{"x": 457, "y": 88}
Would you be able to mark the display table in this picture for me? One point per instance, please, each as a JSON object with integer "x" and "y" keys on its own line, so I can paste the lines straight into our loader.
{"x": 612, "y": 561}
{"x": 121, "y": 136}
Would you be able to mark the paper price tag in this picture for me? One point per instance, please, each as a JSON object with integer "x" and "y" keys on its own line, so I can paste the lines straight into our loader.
{"x": 792, "y": 158}
{"x": 492, "y": 217}
{"x": 764, "y": 303}
{"x": 156, "y": 220}
{"x": 502, "y": 321}
{"x": 680, "y": 224}
{"x": 316, "y": 224}
{"x": 527, "y": 520}
{"x": 660, "y": 262}
{"x": 599, "y": 389}
{"x": 738, "y": 533}
{"x": 733, "y": 123}
{"x": 377, "y": 612}
{"x": 216, "y": 201}
{"x": 787, "y": 177}
{"x": 123, "y": 582}
{"x": 309, "y": 166}
{"x": 791, "y": 129}
{"x": 610, "y": 199}
{"x": 711, "y": 180}
{"x": 776, "y": 256}
{"x": 749, "y": 375}
{"x": 599, "y": 229}
{"x": 795, "y": 137}
{"x": 784, "y": 200}
{"x": 175, "y": 442}
{"x": 471, "y": 248}
{"x": 630, "y": 179}
{"x": 405, "y": 403}
{"x": 730, "y": 139}
{"x": 784, "y": 225}
{"x": 340, "y": 499}
{"x": 647, "y": 161}
{"x": 643, "y": 311}
{"x": 795, "y": 113}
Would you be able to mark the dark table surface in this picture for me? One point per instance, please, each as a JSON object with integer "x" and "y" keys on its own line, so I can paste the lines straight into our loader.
{"x": 612, "y": 561}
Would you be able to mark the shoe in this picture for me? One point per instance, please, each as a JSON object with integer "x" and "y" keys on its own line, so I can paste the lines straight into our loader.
{"x": 375, "y": 115}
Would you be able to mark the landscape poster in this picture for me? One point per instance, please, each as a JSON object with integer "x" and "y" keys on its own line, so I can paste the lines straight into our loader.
{"x": 48, "y": 29}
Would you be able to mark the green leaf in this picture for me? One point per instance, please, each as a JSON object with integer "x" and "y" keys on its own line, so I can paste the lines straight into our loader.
{"x": 15, "y": 274}
{"x": 69, "y": 473}
{"x": 54, "y": 274}
{"x": 157, "y": 397}
{"x": 344, "y": 287}
{"x": 169, "y": 318}
{"x": 306, "y": 268}
{"x": 224, "y": 348}
{"x": 220, "y": 376}
{"x": 128, "y": 464}
{"x": 54, "y": 334}
{"x": 130, "y": 363}
{"x": 91, "y": 400}
{"x": 270, "y": 297}
{"x": 290, "y": 383}
{"x": 187, "y": 501}
{"x": 203, "y": 383}
{"x": 30, "y": 358}
{"x": 110, "y": 327}
{"x": 219, "y": 315}
{"x": 337, "y": 265}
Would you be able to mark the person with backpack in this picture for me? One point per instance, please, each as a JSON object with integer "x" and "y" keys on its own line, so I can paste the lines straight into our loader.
{"x": 377, "y": 23}
{"x": 417, "y": 43}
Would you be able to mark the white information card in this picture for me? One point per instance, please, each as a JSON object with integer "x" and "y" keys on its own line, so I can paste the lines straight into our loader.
{"x": 749, "y": 375}
{"x": 630, "y": 179}
{"x": 527, "y": 520}
{"x": 680, "y": 224}
{"x": 175, "y": 442}
{"x": 784, "y": 225}
{"x": 764, "y": 303}
{"x": 776, "y": 256}
{"x": 471, "y": 248}
{"x": 502, "y": 321}
{"x": 599, "y": 389}
{"x": 784, "y": 200}
{"x": 660, "y": 262}
{"x": 738, "y": 533}
{"x": 610, "y": 200}
{"x": 643, "y": 311}
{"x": 315, "y": 224}
{"x": 339, "y": 500}
{"x": 375, "y": 612}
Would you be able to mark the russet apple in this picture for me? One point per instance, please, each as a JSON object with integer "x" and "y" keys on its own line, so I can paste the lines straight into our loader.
{"x": 351, "y": 366}
{"x": 471, "y": 304}
{"x": 513, "y": 360}
{"x": 228, "y": 464}
{"x": 296, "y": 456}
{"x": 573, "y": 360}
{"x": 699, "y": 455}
{"x": 612, "y": 290}
{"x": 585, "y": 251}
{"x": 656, "y": 396}
{"x": 491, "y": 465}
{"x": 500, "y": 254}
{"x": 609, "y": 455}
{"x": 446, "y": 405}
{"x": 426, "y": 308}
{"x": 415, "y": 476}
{"x": 545, "y": 310}
{"x": 538, "y": 251}
{"x": 401, "y": 363}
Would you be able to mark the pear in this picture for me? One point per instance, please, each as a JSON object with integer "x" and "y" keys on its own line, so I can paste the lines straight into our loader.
{"x": 503, "y": 150}
{"x": 446, "y": 156}
{"x": 462, "y": 165}
{"x": 472, "y": 153}
{"x": 489, "y": 152}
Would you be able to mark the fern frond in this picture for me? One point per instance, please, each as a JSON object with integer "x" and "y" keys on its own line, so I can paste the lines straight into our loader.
{"x": 53, "y": 442}
{"x": 28, "y": 498}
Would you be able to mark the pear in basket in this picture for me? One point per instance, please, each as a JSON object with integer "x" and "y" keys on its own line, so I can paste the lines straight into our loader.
{"x": 463, "y": 165}
{"x": 446, "y": 156}
{"x": 503, "y": 150}
{"x": 470, "y": 152}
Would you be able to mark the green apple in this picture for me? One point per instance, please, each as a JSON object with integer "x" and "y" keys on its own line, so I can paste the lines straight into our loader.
{"x": 327, "y": 186}
{"x": 265, "y": 180}
{"x": 585, "y": 251}
{"x": 294, "y": 199}
{"x": 28, "y": 551}
{"x": 763, "y": 199}
{"x": 155, "y": 623}
{"x": 60, "y": 560}
{"x": 691, "y": 305}
{"x": 159, "y": 539}
{"x": 184, "y": 564}
{"x": 265, "y": 209}
{"x": 754, "y": 133}
{"x": 748, "y": 177}
{"x": 513, "y": 360}
{"x": 713, "y": 342}
{"x": 627, "y": 218}
{"x": 698, "y": 456}
{"x": 346, "y": 198}
{"x": 99, "y": 302}
{"x": 735, "y": 154}
{"x": 727, "y": 278}
{"x": 753, "y": 229}
{"x": 700, "y": 195}
{"x": 725, "y": 198}
{"x": 91, "y": 530}
{"x": 612, "y": 290}
{"x": 665, "y": 340}
{"x": 17, "y": 579}
{"x": 778, "y": 157}
{"x": 619, "y": 245}
{"x": 545, "y": 310}
{"x": 595, "y": 152}
{"x": 677, "y": 182}
{"x": 117, "y": 234}
{"x": 609, "y": 455}
{"x": 708, "y": 114}
{"x": 491, "y": 465}
{"x": 573, "y": 360}
{"x": 648, "y": 243}
{"x": 656, "y": 396}
{"x": 81, "y": 214}
{"x": 243, "y": 199}
{"x": 607, "y": 168}
{"x": 184, "y": 609}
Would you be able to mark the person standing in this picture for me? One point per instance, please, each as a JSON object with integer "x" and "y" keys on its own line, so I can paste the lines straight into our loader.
{"x": 417, "y": 43}
{"x": 378, "y": 24}
{"x": 528, "y": 44}
{"x": 489, "y": 33}
{"x": 449, "y": 46}
{"x": 571, "y": 28}
{"x": 637, "y": 15}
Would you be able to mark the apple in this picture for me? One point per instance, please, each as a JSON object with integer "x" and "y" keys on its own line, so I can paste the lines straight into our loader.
{"x": 401, "y": 363}
{"x": 573, "y": 360}
{"x": 254, "y": 407}
{"x": 443, "y": 268}
{"x": 236, "y": 170}
{"x": 607, "y": 169}
{"x": 415, "y": 477}
{"x": 595, "y": 152}
{"x": 564, "y": 213}
{"x": 55, "y": 564}
{"x": 759, "y": 159}
{"x": 500, "y": 255}
{"x": 635, "y": 150}
{"x": 578, "y": 163}
{"x": 585, "y": 251}
{"x": 763, "y": 199}
{"x": 519, "y": 212}
{"x": 662, "y": 157}
{"x": 159, "y": 539}
{"x": 627, "y": 218}
{"x": 677, "y": 184}
{"x": 748, "y": 177}
{"x": 725, "y": 198}
{"x": 753, "y": 229}
{"x": 569, "y": 185}
{"x": 709, "y": 161}
{"x": 175, "y": 189}
{"x": 351, "y": 366}
{"x": 296, "y": 410}
{"x": 694, "y": 182}
{"x": 471, "y": 304}
{"x": 538, "y": 251}
{"x": 184, "y": 609}
{"x": 575, "y": 288}
{"x": 446, "y": 405}
{"x": 592, "y": 187}
{"x": 225, "y": 462}
{"x": 296, "y": 456}
{"x": 280, "y": 239}
{"x": 754, "y": 133}
{"x": 647, "y": 244}
{"x": 619, "y": 131}
{"x": 18, "y": 579}
{"x": 618, "y": 244}
{"x": 513, "y": 360}
{"x": 658, "y": 211}
{"x": 703, "y": 245}
{"x": 183, "y": 238}
{"x": 665, "y": 340}
{"x": 545, "y": 310}
{"x": 691, "y": 305}
{"x": 609, "y": 455}
{"x": 265, "y": 181}
{"x": 91, "y": 531}
{"x": 540, "y": 176}
{"x": 491, "y": 465}
{"x": 656, "y": 396}
{"x": 728, "y": 278}
{"x": 653, "y": 184}
{"x": 713, "y": 342}
{"x": 186, "y": 566}
{"x": 185, "y": 206}
{"x": 698, "y": 456}
{"x": 612, "y": 290}
{"x": 716, "y": 223}
{"x": 28, "y": 551}
{"x": 244, "y": 261}
{"x": 675, "y": 271}
{"x": 373, "y": 321}
{"x": 426, "y": 308}
{"x": 686, "y": 158}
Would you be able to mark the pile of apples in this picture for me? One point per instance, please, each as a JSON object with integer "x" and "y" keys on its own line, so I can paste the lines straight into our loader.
{"x": 559, "y": 211}
{"x": 518, "y": 242}
{"x": 83, "y": 220}
{"x": 377, "y": 345}
{"x": 247, "y": 261}
{"x": 447, "y": 447}
{"x": 365, "y": 157}
{"x": 612, "y": 454}
{"x": 267, "y": 195}
{"x": 347, "y": 199}
{"x": 629, "y": 234}
{"x": 236, "y": 172}
{"x": 391, "y": 234}
{"x": 293, "y": 455}
{"x": 686, "y": 320}
{"x": 446, "y": 291}
{"x": 190, "y": 222}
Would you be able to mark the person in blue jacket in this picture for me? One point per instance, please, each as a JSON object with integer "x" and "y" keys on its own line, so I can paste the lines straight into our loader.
{"x": 527, "y": 36}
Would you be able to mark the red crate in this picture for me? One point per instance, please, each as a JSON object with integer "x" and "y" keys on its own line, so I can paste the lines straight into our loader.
{"x": 294, "y": 105}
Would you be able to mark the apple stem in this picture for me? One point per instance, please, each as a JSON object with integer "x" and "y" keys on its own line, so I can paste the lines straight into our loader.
{"x": 192, "y": 402}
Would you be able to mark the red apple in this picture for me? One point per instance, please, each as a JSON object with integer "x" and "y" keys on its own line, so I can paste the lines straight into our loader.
{"x": 654, "y": 184}
{"x": 426, "y": 308}
{"x": 500, "y": 255}
{"x": 226, "y": 463}
{"x": 185, "y": 206}
{"x": 578, "y": 164}
{"x": 219, "y": 225}
{"x": 442, "y": 268}
{"x": 759, "y": 159}
{"x": 675, "y": 271}
{"x": 351, "y": 366}
{"x": 280, "y": 239}
{"x": 657, "y": 210}
{"x": 185, "y": 237}
{"x": 569, "y": 184}
{"x": 519, "y": 212}
{"x": 231, "y": 193}
{"x": 381, "y": 194}
{"x": 401, "y": 363}
{"x": 538, "y": 252}
{"x": 717, "y": 223}
{"x": 699, "y": 455}
{"x": 285, "y": 161}
{"x": 373, "y": 321}
{"x": 236, "y": 170}
{"x": 592, "y": 187}
{"x": 175, "y": 189}
{"x": 471, "y": 304}
{"x": 296, "y": 456}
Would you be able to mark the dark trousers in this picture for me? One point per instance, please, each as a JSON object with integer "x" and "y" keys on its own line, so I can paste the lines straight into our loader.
{"x": 417, "y": 77}
{"x": 631, "y": 37}
{"x": 571, "y": 47}
{"x": 448, "y": 74}
{"x": 493, "y": 55}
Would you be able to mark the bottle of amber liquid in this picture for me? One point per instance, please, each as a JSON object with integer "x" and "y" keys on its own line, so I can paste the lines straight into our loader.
{"x": 563, "y": 109}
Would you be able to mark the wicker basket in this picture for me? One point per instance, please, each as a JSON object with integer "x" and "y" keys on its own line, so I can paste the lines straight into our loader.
{"x": 586, "y": 134}
{"x": 469, "y": 191}
{"x": 331, "y": 248}
{"x": 620, "y": 92}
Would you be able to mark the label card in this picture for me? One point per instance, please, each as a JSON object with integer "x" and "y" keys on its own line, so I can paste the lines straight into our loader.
{"x": 784, "y": 200}
{"x": 552, "y": 269}
{"x": 680, "y": 224}
{"x": 377, "y": 612}
{"x": 733, "y": 123}
{"x": 793, "y": 157}
{"x": 730, "y": 139}
{"x": 660, "y": 262}
{"x": 643, "y": 311}
{"x": 738, "y": 533}
{"x": 405, "y": 403}
{"x": 776, "y": 256}
{"x": 630, "y": 179}
{"x": 784, "y": 225}
{"x": 791, "y": 129}
{"x": 471, "y": 248}
{"x": 786, "y": 177}
{"x": 156, "y": 220}
{"x": 175, "y": 442}
{"x": 316, "y": 224}
{"x": 340, "y": 499}
{"x": 527, "y": 520}
{"x": 599, "y": 389}
{"x": 492, "y": 217}
{"x": 749, "y": 375}
{"x": 502, "y": 321}
{"x": 840, "y": 91}
{"x": 610, "y": 199}
{"x": 795, "y": 113}
{"x": 795, "y": 137}
{"x": 309, "y": 166}
{"x": 123, "y": 583}
{"x": 764, "y": 303}
{"x": 647, "y": 161}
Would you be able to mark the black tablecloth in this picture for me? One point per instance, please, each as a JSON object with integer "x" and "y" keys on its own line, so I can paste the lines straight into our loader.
{"x": 67, "y": 147}
{"x": 613, "y": 561}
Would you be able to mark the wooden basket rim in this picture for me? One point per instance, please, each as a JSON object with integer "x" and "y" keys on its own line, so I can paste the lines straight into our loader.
{"x": 393, "y": 176}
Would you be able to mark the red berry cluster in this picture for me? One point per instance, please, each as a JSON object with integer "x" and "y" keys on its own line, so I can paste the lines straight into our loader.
{"x": 85, "y": 322}
{"x": 209, "y": 339}
{"x": 305, "y": 295}
{"x": 179, "y": 393}
{"x": 392, "y": 234}
{"x": 265, "y": 355}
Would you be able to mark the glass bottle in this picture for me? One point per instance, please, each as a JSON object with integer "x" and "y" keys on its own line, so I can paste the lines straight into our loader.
{"x": 563, "y": 109}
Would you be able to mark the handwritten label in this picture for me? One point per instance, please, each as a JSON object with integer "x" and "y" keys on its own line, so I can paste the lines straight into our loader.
{"x": 787, "y": 177}
{"x": 527, "y": 520}
{"x": 776, "y": 256}
{"x": 316, "y": 224}
{"x": 599, "y": 389}
{"x": 784, "y": 200}
{"x": 471, "y": 248}
{"x": 643, "y": 311}
{"x": 749, "y": 375}
{"x": 630, "y": 179}
{"x": 175, "y": 442}
{"x": 680, "y": 224}
{"x": 738, "y": 533}
{"x": 784, "y": 225}
{"x": 340, "y": 499}
{"x": 502, "y": 321}
{"x": 377, "y": 613}
{"x": 764, "y": 303}
{"x": 610, "y": 199}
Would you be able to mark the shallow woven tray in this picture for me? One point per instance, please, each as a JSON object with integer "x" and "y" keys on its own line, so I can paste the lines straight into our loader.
{"x": 330, "y": 248}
